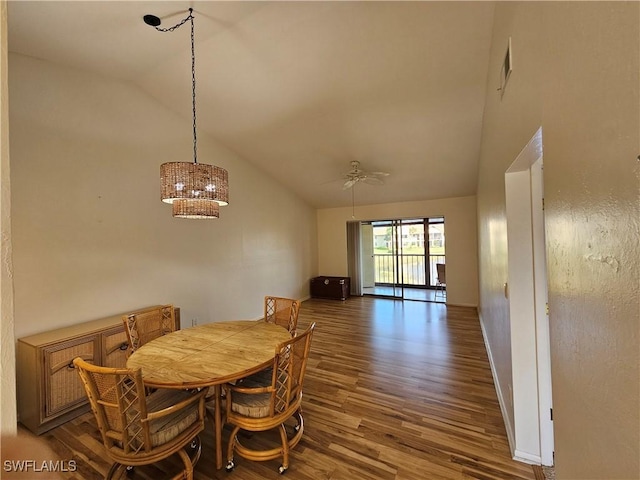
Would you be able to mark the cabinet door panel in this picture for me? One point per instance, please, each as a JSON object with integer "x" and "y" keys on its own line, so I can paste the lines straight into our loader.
{"x": 114, "y": 348}
{"x": 63, "y": 387}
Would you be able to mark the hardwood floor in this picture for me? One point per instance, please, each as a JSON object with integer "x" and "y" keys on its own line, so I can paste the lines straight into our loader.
{"x": 393, "y": 391}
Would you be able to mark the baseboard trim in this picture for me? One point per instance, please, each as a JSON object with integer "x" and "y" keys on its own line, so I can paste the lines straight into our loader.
{"x": 470, "y": 305}
{"x": 527, "y": 458}
{"x": 496, "y": 383}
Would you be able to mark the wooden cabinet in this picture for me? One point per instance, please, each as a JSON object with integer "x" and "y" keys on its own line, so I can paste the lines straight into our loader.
{"x": 49, "y": 388}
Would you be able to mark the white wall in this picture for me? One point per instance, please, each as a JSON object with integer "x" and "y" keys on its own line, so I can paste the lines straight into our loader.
{"x": 575, "y": 73}
{"x": 461, "y": 239}
{"x": 91, "y": 236}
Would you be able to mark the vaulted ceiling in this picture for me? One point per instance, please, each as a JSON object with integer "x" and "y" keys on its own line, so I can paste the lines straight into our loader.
{"x": 299, "y": 89}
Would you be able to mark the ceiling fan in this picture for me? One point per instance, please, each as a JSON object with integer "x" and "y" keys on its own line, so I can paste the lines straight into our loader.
{"x": 356, "y": 174}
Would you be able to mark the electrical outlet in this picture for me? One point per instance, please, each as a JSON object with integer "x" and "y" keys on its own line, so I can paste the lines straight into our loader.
{"x": 194, "y": 322}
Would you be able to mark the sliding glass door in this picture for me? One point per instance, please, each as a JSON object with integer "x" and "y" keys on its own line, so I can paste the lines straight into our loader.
{"x": 382, "y": 268}
{"x": 387, "y": 252}
{"x": 399, "y": 258}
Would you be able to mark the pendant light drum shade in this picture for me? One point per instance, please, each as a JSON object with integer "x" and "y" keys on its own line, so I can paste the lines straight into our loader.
{"x": 183, "y": 208}
{"x": 193, "y": 181}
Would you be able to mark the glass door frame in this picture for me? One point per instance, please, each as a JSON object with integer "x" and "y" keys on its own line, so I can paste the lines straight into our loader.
{"x": 384, "y": 274}
{"x": 396, "y": 284}
{"x": 398, "y": 274}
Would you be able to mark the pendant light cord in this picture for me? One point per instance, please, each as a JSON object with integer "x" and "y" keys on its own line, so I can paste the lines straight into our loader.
{"x": 193, "y": 74}
{"x": 193, "y": 88}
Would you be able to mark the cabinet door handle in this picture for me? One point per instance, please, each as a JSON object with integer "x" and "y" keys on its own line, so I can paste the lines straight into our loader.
{"x": 124, "y": 346}
{"x": 71, "y": 366}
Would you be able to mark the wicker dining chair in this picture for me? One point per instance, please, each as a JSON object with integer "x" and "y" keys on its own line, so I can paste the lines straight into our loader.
{"x": 145, "y": 325}
{"x": 282, "y": 311}
{"x": 255, "y": 407}
{"x": 138, "y": 430}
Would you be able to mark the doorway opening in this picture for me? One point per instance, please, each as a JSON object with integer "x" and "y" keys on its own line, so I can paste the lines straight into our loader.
{"x": 400, "y": 258}
{"x": 530, "y": 429}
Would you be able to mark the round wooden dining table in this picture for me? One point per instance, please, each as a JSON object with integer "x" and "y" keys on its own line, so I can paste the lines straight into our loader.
{"x": 209, "y": 355}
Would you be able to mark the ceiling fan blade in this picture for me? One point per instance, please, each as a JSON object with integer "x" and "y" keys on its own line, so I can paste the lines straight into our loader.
{"x": 373, "y": 181}
{"x": 349, "y": 183}
{"x": 378, "y": 174}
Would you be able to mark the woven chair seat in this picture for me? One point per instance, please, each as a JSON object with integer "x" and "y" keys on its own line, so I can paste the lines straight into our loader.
{"x": 167, "y": 428}
{"x": 254, "y": 406}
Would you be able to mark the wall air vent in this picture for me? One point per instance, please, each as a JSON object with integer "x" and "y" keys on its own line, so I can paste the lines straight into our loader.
{"x": 506, "y": 68}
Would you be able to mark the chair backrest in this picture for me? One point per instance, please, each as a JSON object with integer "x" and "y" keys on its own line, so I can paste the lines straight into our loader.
{"x": 117, "y": 398}
{"x": 289, "y": 367}
{"x": 440, "y": 269}
{"x": 145, "y": 325}
{"x": 282, "y": 311}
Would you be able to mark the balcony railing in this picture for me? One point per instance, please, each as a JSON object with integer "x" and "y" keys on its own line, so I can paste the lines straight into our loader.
{"x": 412, "y": 273}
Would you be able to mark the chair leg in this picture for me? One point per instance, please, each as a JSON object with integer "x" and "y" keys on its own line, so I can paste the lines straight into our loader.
{"x": 285, "y": 449}
{"x": 231, "y": 448}
{"x": 235, "y": 446}
{"x": 298, "y": 430}
{"x": 115, "y": 471}
{"x": 195, "y": 450}
{"x": 189, "y": 459}
{"x": 187, "y": 474}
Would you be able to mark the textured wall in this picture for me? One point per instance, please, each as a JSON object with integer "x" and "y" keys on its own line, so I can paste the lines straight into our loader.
{"x": 7, "y": 349}
{"x": 576, "y": 74}
{"x": 591, "y": 142}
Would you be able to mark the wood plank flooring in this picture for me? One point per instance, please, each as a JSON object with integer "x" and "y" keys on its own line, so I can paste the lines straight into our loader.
{"x": 394, "y": 390}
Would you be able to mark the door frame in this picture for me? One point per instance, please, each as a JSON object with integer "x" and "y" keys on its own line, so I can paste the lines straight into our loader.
{"x": 396, "y": 252}
{"x": 531, "y": 436}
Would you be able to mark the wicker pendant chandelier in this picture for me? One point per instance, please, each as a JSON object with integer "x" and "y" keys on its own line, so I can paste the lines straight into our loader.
{"x": 195, "y": 190}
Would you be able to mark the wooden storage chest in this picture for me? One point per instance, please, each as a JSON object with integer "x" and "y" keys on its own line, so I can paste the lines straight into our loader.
{"x": 331, "y": 287}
